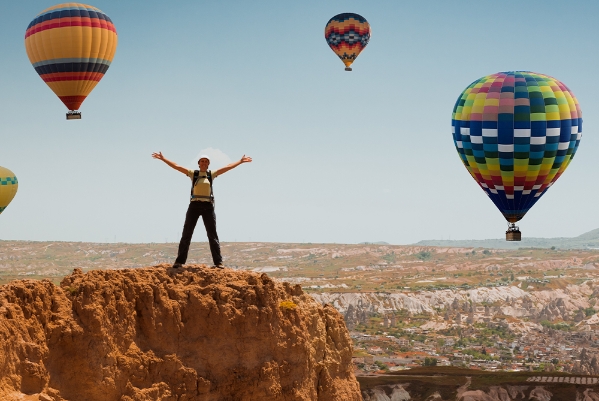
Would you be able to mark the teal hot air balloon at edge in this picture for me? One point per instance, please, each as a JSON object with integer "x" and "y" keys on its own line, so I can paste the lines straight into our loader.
{"x": 516, "y": 132}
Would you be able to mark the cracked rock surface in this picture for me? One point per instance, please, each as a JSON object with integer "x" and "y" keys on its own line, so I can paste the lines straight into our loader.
{"x": 155, "y": 334}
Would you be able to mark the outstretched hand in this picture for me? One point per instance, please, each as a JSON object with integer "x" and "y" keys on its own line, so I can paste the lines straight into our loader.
{"x": 158, "y": 156}
{"x": 244, "y": 159}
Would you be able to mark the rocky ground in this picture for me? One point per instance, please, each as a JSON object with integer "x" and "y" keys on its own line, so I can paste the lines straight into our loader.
{"x": 158, "y": 334}
{"x": 445, "y": 384}
{"x": 535, "y": 308}
{"x": 476, "y": 305}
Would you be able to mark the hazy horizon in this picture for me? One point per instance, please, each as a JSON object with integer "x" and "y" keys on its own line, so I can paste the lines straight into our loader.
{"x": 198, "y": 239}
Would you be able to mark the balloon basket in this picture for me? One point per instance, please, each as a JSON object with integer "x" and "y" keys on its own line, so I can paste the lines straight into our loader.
{"x": 513, "y": 233}
{"x": 74, "y": 115}
{"x": 347, "y": 68}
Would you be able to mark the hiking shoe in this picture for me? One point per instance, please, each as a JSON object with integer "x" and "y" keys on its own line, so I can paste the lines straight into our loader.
{"x": 177, "y": 265}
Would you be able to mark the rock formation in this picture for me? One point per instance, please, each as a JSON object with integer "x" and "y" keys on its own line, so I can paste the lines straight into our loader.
{"x": 350, "y": 317}
{"x": 587, "y": 395}
{"x": 586, "y": 365}
{"x": 555, "y": 309}
{"x": 416, "y": 390}
{"x": 397, "y": 393}
{"x": 153, "y": 334}
{"x": 540, "y": 394}
{"x": 355, "y": 315}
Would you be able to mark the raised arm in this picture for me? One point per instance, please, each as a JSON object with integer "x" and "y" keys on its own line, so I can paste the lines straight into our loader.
{"x": 228, "y": 167}
{"x": 170, "y": 163}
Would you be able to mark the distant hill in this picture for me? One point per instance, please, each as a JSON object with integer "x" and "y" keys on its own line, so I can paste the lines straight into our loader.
{"x": 589, "y": 240}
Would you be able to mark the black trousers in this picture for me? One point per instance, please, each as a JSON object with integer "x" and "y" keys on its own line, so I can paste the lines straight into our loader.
{"x": 194, "y": 211}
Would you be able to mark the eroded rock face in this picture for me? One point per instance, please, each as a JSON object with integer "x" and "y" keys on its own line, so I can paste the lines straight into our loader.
{"x": 540, "y": 394}
{"x": 387, "y": 393}
{"x": 427, "y": 391}
{"x": 587, "y": 395}
{"x": 149, "y": 334}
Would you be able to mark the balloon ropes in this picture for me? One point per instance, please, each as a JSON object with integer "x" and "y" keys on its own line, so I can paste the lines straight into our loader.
{"x": 516, "y": 132}
{"x": 347, "y": 34}
{"x": 8, "y": 187}
{"x": 71, "y": 46}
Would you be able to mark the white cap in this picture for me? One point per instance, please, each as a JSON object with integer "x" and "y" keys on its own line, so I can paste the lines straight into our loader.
{"x": 204, "y": 157}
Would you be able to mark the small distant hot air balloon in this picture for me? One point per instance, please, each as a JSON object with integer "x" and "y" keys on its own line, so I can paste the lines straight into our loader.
{"x": 71, "y": 46}
{"x": 8, "y": 187}
{"x": 347, "y": 34}
{"x": 516, "y": 133}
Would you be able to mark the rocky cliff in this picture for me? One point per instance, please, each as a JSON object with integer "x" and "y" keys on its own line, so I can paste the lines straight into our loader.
{"x": 586, "y": 364}
{"x": 553, "y": 388}
{"x": 565, "y": 304}
{"x": 156, "y": 334}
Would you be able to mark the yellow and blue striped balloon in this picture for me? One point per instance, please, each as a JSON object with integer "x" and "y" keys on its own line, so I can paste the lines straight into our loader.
{"x": 71, "y": 46}
{"x": 8, "y": 187}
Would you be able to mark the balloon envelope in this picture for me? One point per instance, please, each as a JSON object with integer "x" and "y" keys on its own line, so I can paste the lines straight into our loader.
{"x": 8, "y": 187}
{"x": 71, "y": 46}
{"x": 516, "y": 133}
{"x": 347, "y": 34}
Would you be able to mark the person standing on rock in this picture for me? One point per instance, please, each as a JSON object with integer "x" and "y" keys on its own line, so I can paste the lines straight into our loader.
{"x": 201, "y": 204}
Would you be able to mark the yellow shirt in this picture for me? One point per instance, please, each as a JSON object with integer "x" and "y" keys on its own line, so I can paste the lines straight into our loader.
{"x": 202, "y": 186}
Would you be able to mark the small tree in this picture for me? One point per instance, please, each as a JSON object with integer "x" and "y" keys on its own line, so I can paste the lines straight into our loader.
{"x": 430, "y": 361}
{"x": 381, "y": 365}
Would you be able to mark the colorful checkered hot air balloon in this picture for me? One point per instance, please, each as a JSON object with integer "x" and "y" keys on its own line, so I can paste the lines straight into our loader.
{"x": 8, "y": 187}
{"x": 71, "y": 46}
{"x": 347, "y": 34}
{"x": 516, "y": 133}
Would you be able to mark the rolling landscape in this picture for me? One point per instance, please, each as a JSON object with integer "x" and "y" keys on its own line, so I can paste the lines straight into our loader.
{"x": 533, "y": 310}
{"x": 588, "y": 240}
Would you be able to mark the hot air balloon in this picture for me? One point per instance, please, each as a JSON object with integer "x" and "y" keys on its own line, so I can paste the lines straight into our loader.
{"x": 8, "y": 187}
{"x": 516, "y": 132}
{"x": 347, "y": 34}
{"x": 71, "y": 46}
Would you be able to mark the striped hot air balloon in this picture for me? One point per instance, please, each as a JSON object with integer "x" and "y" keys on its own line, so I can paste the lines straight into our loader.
{"x": 71, "y": 46}
{"x": 516, "y": 133}
{"x": 8, "y": 187}
{"x": 347, "y": 34}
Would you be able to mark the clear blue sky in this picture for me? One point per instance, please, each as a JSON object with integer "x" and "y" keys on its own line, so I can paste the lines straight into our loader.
{"x": 338, "y": 156}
